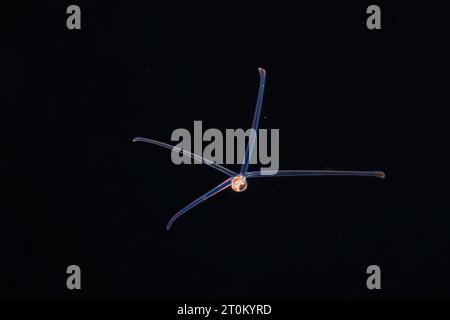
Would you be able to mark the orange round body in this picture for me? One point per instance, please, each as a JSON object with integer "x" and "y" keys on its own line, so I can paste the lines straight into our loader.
{"x": 239, "y": 183}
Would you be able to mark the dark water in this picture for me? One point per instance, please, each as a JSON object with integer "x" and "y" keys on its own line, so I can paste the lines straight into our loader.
{"x": 76, "y": 190}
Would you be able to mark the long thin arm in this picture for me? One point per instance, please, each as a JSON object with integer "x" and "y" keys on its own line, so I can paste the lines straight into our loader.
{"x": 210, "y": 163}
{"x": 313, "y": 173}
{"x": 255, "y": 124}
{"x": 207, "y": 195}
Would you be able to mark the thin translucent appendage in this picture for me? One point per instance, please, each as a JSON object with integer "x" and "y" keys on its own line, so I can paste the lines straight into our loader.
{"x": 207, "y": 195}
{"x": 208, "y": 162}
{"x": 255, "y": 124}
{"x": 313, "y": 173}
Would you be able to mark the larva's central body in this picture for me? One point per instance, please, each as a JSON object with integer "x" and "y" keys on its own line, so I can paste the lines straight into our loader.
{"x": 239, "y": 183}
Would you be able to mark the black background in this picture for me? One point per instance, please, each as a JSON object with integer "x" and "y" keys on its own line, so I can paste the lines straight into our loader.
{"x": 76, "y": 190}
